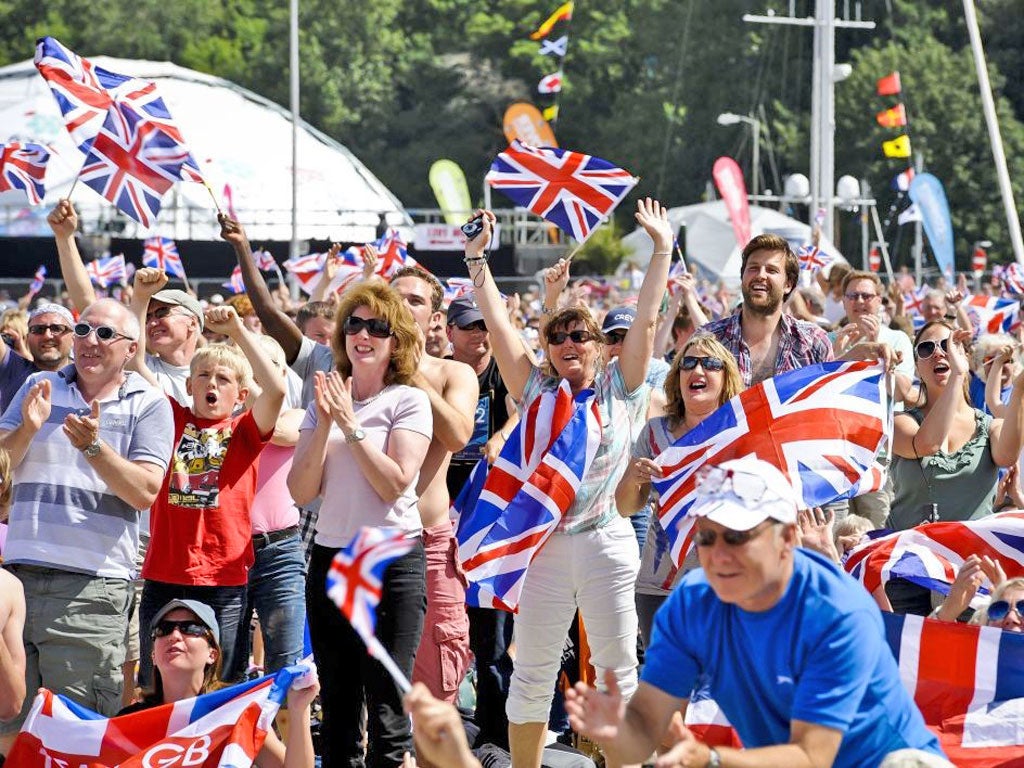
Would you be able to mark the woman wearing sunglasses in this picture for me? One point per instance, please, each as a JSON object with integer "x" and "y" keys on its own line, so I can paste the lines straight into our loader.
{"x": 702, "y": 377}
{"x": 947, "y": 453}
{"x": 361, "y": 447}
{"x": 1006, "y": 609}
{"x": 186, "y": 664}
{"x": 591, "y": 561}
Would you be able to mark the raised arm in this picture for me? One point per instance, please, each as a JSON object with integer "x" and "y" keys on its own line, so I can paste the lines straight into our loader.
{"x": 1006, "y": 435}
{"x": 993, "y": 390}
{"x": 64, "y": 221}
{"x": 276, "y": 323}
{"x": 513, "y": 362}
{"x": 267, "y": 406}
{"x": 147, "y": 282}
{"x": 638, "y": 345}
{"x": 555, "y": 279}
{"x": 331, "y": 264}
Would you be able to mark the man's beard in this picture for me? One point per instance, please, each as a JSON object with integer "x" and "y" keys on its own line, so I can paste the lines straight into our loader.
{"x": 768, "y": 307}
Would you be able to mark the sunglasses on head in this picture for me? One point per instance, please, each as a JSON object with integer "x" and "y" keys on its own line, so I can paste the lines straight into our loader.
{"x": 578, "y": 337}
{"x": 926, "y": 349}
{"x": 707, "y": 537}
{"x": 707, "y": 363}
{"x": 187, "y": 627}
{"x": 103, "y": 332}
{"x": 476, "y": 325}
{"x": 1000, "y": 609}
{"x": 55, "y": 328}
{"x": 379, "y": 329}
{"x": 615, "y": 337}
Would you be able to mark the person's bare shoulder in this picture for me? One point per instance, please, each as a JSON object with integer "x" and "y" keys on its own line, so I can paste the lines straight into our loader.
{"x": 12, "y": 597}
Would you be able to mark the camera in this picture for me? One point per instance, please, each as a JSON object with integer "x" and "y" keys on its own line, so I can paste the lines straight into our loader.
{"x": 473, "y": 228}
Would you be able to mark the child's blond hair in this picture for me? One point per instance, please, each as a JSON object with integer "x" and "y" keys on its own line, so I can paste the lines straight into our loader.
{"x": 227, "y": 355}
{"x": 6, "y": 483}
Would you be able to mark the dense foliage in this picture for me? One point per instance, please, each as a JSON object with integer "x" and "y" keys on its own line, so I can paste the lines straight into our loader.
{"x": 404, "y": 82}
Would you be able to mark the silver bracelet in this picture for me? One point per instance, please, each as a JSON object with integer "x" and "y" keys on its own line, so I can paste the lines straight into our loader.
{"x": 546, "y": 311}
{"x": 662, "y": 253}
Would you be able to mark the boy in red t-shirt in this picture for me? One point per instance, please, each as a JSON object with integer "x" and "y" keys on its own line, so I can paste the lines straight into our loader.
{"x": 200, "y": 531}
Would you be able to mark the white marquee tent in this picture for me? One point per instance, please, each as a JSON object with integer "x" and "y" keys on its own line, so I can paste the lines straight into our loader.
{"x": 710, "y": 242}
{"x": 242, "y": 143}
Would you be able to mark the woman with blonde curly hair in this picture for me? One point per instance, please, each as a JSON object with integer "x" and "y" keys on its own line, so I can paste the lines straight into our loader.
{"x": 703, "y": 377}
{"x": 361, "y": 447}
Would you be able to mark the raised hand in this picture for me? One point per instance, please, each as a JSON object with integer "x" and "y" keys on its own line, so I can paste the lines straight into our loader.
{"x": 653, "y": 217}
{"x": 437, "y": 729}
{"x": 224, "y": 320}
{"x": 63, "y": 220}
{"x": 333, "y": 262}
{"x": 35, "y": 408}
{"x": 231, "y": 230}
{"x": 957, "y": 355}
{"x": 556, "y": 277}
{"x": 370, "y": 258}
{"x": 148, "y": 280}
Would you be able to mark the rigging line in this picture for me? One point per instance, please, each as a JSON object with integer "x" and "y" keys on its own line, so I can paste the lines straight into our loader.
{"x": 670, "y": 123}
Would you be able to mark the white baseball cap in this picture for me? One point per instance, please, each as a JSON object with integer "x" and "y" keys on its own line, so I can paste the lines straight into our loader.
{"x": 741, "y": 493}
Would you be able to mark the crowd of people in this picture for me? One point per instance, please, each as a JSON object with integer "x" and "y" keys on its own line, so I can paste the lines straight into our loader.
{"x": 173, "y": 468}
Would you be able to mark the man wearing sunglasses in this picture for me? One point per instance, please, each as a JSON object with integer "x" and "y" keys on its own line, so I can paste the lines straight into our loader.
{"x": 49, "y": 343}
{"x": 90, "y": 443}
{"x": 791, "y": 648}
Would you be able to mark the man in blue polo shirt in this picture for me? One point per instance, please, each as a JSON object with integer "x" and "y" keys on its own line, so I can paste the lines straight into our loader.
{"x": 791, "y": 648}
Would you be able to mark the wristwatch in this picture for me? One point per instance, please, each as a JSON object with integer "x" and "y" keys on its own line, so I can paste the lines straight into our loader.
{"x": 355, "y": 436}
{"x": 714, "y": 760}
{"x": 92, "y": 450}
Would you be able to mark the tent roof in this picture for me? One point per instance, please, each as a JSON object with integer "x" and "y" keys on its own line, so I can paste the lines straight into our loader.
{"x": 242, "y": 143}
{"x": 710, "y": 242}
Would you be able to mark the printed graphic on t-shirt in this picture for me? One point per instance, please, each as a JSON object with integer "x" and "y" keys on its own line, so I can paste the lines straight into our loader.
{"x": 481, "y": 427}
{"x": 195, "y": 472}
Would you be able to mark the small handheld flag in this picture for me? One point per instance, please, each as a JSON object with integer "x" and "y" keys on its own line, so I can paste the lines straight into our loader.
{"x": 235, "y": 284}
{"x": 107, "y": 270}
{"x": 37, "y": 281}
{"x": 23, "y": 166}
{"x": 162, "y": 253}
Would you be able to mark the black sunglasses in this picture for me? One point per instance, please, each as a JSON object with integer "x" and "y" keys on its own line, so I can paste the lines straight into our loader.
{"x": 615, "y": 337}
{"x": 187, "y": 627}
{"x": 161, "y": 312}
{"x": 476, "y": 325}
{"x": 578, "y": 337}
{"x": 103, "y": 332}
{"x": 1000, "y": 609}
{"x": 707, "y": 363}
{"x": 707, "y": 537}
{"x": 379, "y": 329}
{"x": 926, "y": 349}
{"x": 55, "y": 328}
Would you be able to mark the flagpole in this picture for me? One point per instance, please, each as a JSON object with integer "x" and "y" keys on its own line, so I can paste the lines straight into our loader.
{"x": 184, "y": 279}
{"x": 380, "y": 653}
{"x": 216, "y": 202}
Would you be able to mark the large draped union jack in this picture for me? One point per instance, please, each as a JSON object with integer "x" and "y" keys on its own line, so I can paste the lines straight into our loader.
{"x": 107, "y": 270}
{"x": 931, "y": 554}
{"x": 574, "y": 191}
{"x": 23, "y": 166}
{"x": 355, "y": 581}
{"x": 224, "y": 727}
{"x": 822, "y": 425}
{"x": 162, "y": 253}
{"x": 528, "y": 490}
{"x": 132, "y": 163}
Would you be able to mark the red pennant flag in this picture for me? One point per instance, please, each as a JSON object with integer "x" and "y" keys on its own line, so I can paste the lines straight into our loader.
{"x": 889, "y": 85}
{"x": 894, "y": 117}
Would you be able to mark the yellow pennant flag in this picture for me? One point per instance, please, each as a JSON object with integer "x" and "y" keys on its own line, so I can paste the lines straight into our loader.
{"x": 898, "y": 147}
{"x": 564, "y": 12}
{"x": 551, "y": 113}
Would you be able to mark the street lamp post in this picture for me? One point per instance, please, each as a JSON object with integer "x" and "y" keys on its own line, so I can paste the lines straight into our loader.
{"x": 730, "y": 118}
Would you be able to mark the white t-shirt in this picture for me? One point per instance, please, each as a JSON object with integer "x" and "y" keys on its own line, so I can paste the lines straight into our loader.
{"x": 172, "y": 379}
{"x": 349, "y": 501}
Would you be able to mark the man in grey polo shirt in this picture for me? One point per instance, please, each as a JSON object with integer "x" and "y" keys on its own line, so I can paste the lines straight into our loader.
{"x": 90, "y": 444}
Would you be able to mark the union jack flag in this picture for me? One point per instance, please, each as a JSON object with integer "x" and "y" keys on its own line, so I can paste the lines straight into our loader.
{"x": 132, "y": 163}
{"x": 162, "y": 253}
{"x": 355, "y": 581}
{"x": 80, "y": 89}
{"x": 393, "y": 254}
{"x": 143, "y": 98}
{"x": 931, "y": 554}
{"x": 456, "y": 287}
{"x": 225, "y": 727}
{"x": 235, "y": 284}
{"x": 107, "y": 270}
{"x": 822, "y": 425}
{"x": 991, "y": 314}
{"x": 470, "y": 492}
{"x": 1012, "y": 276}
{"x": 308, "y": 270}
{"x": 968, "y": 682}
{"x": 573, "y": 191}
{"x": 264, "y": 259}
{"x": 23, "y": 166}
{"x": 677, "y": 270}
{"x": 526, "y": 493}
{"x": 38, "y": 281}
{"x": 812, "y": 258}
{"x": 914, "y": 300}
